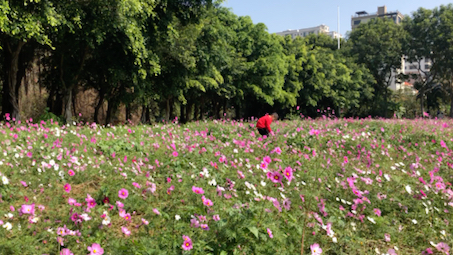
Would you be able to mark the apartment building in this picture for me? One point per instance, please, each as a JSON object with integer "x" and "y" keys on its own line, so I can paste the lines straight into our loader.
{"x": 363, "y": 16}
{"x": 303, "y": 32}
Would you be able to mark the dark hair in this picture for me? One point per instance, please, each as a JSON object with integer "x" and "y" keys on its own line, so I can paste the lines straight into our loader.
{"x": 275, "y": 115}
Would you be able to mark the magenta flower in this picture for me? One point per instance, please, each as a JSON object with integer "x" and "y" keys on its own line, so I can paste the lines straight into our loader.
{"x": 119, "y": 204}
{"x": 216, "y": 217}
{"x": 288, "y": 173}
{"x": 187, "y": 245}
{"x": 67, "y": 187}
{"x": 66, "y": 251}
{"x": 71, "y": 172}
{"x": 204, "y": 226}
{"x": 206, "y": 201}
{"x": 72, "y": 201}
{"x": 269, "y": 232}
{"x": 123, "y": 193}
{"x": 197, "y": 190}
{"x": 315, "y": 249}
{"x": 91, "y": 203}
{"x": 28, "y": 209}
{"x": 24, "y": 183}
{"x": 377, "y": 212}
{"x": 443, "y": 247}
{"x": 136, "y": 185}
{"x": 127, "y": 216}
{"x": 175, "y": 153}
{"x": 126, "y": 231}
{"x": 276, "y": 177}
{"x": 95, "y": 249}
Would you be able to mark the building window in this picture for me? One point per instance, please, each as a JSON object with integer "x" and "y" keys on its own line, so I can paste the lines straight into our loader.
{"x": 427, "y": 66}
{"x": 356, "y": 22}
{"x": 413, "y": 67}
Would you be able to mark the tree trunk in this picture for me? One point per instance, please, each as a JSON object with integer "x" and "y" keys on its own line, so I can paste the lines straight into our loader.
{"x": 182, "y": 112}
{"x": 195, "y": 112}
{"x": 167, "y": 110}
{"x": 202, "y": 108}
{"x": 189, "y": 111}
{"x": 145, "y": 115}
{"x": 224, "y": 108}
{"x": 128, "y": 112}
{"x": 10, "y": 102}
{"x": 422, "y": 104}
{"x": 110, "y": 110}
{"x": 451, "y": 98}
{"x": 68, "y": 106}
{"x": 238, "y": 112}
{"x": 99, "y": 105}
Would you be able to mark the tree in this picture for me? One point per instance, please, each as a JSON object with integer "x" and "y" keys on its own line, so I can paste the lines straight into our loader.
{"x": 22, "y": 23}
{"x": 378, "y": 44}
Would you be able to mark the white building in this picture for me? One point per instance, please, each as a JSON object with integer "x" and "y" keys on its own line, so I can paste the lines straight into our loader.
{"x": 303, "y": 32}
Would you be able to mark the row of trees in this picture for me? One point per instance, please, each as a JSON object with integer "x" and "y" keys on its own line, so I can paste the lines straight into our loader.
{"x": 198, "y": 56}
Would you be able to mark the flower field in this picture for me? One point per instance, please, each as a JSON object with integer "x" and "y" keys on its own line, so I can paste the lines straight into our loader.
{"x": 325, "y": 186}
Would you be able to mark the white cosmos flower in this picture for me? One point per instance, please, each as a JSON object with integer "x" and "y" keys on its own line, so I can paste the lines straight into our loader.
{"x": 371, "y": 219}
{"x": 8, "y": 226}
{"x": 414, "y": 221}
{"x": 5, "y": 180}
{"x": 52, "y": 162}
{"x": 263, "y": 183}
{"x": 408, "y": 189}
{"x": 212, "y": 182}
{"x": 177, "y": 217}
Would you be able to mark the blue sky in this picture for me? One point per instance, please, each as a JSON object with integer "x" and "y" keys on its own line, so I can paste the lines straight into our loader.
{"x": 279, "y": 15}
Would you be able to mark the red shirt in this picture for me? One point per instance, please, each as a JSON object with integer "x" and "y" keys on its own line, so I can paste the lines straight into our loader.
{"x": 265, "y": 122}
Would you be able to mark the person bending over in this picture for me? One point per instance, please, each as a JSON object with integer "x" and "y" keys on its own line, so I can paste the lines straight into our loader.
{"x": 264, "y": 124}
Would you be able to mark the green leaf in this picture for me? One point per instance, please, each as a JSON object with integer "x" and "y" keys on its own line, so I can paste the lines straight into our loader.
{"x": 254, "y": 230}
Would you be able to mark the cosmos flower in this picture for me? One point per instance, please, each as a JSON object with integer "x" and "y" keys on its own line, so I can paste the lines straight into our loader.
{"x": 95, "y": 249}
{"x": 187, "y": 244}
{"x": 123, "y": 193}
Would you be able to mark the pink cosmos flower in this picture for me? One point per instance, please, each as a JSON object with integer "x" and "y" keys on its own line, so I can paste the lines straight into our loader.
{"x": 66, "y": 251}
{"x": 126, "y": 231}
{"x": 71, "y": 172}
{"x": 136, "y": 185}
{"x": 288, "y": 173}
{"x": 91, "y": 203}
{"x": 187, "y": 244}
{"x": 145, "y": 221}
{"x": 315, "y": 249}
{"x": 95, "y": 249}
{"x": 269, "y": 232}
{"x": 206, "y": 201}
{"x": 197, "y": 190}
{"x": 267, "y": 159}
{"x": 119, "y": 204}
{"x": 387, "y": 237}
{"x": 24, "y": 183}
{"x": 175, "y": 154}
{"x": 276, "y": 177}
{"x": 123, "y": 193}
{"x": 277, "y": 150}
{"x": 216, "y": 217}
{"x": 127, "y": 217}
{"x": 377, "y": 212}
{"x": 67, "y": 187}
{"x": 156, "y": 211}
{"x": 443, "y": 247}
{"x": 28, "y": 209}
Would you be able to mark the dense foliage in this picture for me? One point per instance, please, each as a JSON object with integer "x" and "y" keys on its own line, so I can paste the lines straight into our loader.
{"x": 195, "y": 58}
{"x": 343, "y": 186}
